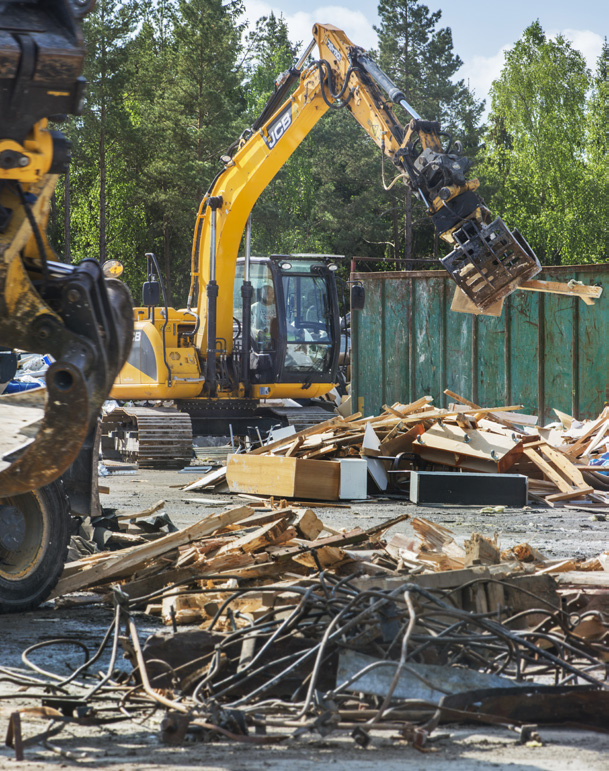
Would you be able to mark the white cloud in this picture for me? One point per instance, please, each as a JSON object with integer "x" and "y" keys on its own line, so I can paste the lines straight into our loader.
{"x": 354, "y": 23}
{"x": 480, "y": 71}
{"x": 589, "y": 43}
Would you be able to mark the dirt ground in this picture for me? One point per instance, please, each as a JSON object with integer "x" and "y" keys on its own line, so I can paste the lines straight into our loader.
{"x": 131, "y": 745}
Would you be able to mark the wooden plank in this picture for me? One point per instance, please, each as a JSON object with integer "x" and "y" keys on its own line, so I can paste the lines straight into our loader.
{"x": 328, "y": 556}
{"x": 494, "y": 411}
{"x": 494, "y": 448}
{"x": 579, "y": 493}
{"x": 266, "y": 535}
{"x": 294, "y": 447}
{"x": 387, "y": 408}
{"x": 308, "y": 524}
{"x": 314, "y": 504}
{"x": 317, "y": 429}
{"x": 406, "y": 409}
{"x": 563, "y": 464}
{"x": 257, "y": 520}
{"x": 127, "y": 561}
{"x": 584, "y": 578}
{"x": 461, "y": 399}
{"x": 579, "y": 445}
{"x": 321, "y": 452}
{"x": 559, "y": 287}
{"x": 271, "y": 475}
{"x": 317, "y": 479}
{"x": 597, "y": 440}
{"x": 144, "y": 513}
{"x": 462, "y": 304}
{"x": 211, "y": 478}
{"x": 480, "y": 550}
{"x": 357, "y": 535}
{"x": 403, "y": 442}
{"x": 548, "y": 471}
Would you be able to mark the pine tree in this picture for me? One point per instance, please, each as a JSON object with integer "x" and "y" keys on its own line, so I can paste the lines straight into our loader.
{"x": 269, "y": 53}
{"x": 187, "y": 102}
{"x": 419, "y": 57}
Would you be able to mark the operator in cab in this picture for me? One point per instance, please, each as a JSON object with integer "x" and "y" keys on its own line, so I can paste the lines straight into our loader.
{"x": 264, "y": 318}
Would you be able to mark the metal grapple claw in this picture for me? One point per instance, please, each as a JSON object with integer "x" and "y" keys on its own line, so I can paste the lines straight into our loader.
{"x": 490, "y": 262}
{"x": 85, "y": 322}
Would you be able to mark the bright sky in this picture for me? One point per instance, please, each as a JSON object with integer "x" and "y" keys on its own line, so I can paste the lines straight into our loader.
{"x": 482, "y": 29}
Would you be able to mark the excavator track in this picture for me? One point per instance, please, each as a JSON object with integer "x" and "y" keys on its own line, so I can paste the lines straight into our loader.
{"x": 151, "y": 437}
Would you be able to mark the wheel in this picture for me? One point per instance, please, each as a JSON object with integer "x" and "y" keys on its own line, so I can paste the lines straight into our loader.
{"x": 34, "y": 536}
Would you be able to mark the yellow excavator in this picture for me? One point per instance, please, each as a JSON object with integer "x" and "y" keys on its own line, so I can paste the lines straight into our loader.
{"x": 72, "y": 312}
{"x": 256, "y": 329}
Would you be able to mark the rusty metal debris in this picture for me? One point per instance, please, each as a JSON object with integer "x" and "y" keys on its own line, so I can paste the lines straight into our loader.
{"x": 277, "y": 676}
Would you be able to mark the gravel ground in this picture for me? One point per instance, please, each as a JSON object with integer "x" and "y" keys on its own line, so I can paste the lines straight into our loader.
{"x": 557, "y": 533}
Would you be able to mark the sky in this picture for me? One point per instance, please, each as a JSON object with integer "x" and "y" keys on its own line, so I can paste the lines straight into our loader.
{"x": 482, "y": 29}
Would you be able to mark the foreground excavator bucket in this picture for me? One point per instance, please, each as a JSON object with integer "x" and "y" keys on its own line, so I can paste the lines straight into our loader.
{"x": 85, "y": 322}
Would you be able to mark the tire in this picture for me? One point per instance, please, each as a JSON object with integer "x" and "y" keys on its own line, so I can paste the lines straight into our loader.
{"x": 34, "y": 537}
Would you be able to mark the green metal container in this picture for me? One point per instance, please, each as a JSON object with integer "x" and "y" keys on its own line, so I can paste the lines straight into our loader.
{"x": 544, "y": 350}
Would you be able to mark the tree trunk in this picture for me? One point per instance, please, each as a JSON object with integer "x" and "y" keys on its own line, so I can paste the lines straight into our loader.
{"x": 67, "y": 248}
{"x": 102, "y": 149}
{"x": 102, "y": 187}
{"x": 408, "y": 230}
{"x": 396, "y": 230}
{"x": 167, "y": 261}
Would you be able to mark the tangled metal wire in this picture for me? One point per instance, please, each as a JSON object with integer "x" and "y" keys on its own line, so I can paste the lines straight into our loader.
{"x": 278, "y": 673}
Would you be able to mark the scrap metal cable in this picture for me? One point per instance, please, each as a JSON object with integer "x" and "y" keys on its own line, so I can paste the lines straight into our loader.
{"x": 297, "y": 687}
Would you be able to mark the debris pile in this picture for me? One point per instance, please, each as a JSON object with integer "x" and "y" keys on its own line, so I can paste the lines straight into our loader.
{"x": 188, "y": 575}
{"x": 334, "y": 657}
{"x": 341, "y": 457}
{"x": 301, "y": 629}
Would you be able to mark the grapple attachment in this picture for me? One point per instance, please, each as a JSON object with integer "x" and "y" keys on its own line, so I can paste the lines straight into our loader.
{"x": 85, "y": 322}
{"x": 490, "y": 261}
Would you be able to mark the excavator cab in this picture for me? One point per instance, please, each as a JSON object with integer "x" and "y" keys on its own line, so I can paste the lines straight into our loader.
{"x": 295, "y": 322}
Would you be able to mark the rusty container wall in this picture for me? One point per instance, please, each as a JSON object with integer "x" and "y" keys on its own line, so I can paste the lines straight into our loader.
{"x": 544, "y": 351}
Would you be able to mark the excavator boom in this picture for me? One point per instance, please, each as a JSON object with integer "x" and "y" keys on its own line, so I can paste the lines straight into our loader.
{"x": 487, "y": 262}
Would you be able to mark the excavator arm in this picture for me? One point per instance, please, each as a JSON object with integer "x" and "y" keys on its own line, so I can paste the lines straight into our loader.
{"x": 72, "y": 312}
{"x": 487, "y": 262}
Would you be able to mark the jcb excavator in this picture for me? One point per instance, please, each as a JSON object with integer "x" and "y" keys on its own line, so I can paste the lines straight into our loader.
{"x": 71, "y": 312}
{"x": 224, "y": 353}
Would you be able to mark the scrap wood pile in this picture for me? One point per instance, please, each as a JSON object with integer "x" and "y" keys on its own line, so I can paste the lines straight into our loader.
{"x": 333, "y": 658}
{"x": 357, "y": 632}
{"x": 188, "y": 575}
{"x": 556, "y": 460}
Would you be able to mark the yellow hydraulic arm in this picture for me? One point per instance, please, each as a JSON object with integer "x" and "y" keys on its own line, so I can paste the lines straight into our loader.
{"x": 488, "y": 261}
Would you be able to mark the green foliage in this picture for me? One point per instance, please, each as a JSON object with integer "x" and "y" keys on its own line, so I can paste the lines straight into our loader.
{"x": 539, "y": 166}
{"x": 597, "y": 146}
{"x": 270, "y": 53}
{"x": 171, "y": 85}
{"x": 163, "y": 100}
